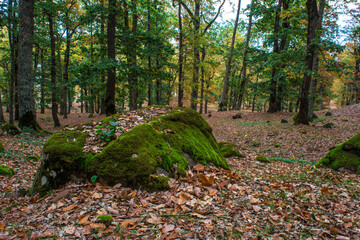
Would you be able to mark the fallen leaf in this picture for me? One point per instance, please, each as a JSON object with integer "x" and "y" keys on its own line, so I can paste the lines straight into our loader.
{"x": 96, "y": 195}
{"x": 206, "y": 181}
{"x": 168, "y": 228}
{"x": 84, "y": 220}
{"x": 127, "y": 222}
{"x": 199, "y": 167}
{"x": 183, "y": 197}
{"x": 2, "y": 227}
{"x": 256, "y": 208}
{"x": 97, "y": 225}
{"x": 69, "y": 230}
{"x": 68, "y": 208}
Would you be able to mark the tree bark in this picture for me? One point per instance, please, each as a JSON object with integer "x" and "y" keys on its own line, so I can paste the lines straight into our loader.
{"x": 54, "y": 107}
{"x": 27, "y": 116}
{"x": 305, "y": 113}
{"x": 244, "y": 68}
{"x": 223, "y": 99}
{"x": 110, "y": 85}
{"x": 12, "y": 43}
{"x": 181, "y": 77}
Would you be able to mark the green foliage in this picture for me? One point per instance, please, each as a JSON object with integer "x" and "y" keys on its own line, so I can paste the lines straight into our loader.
{"x": 2, "y": 149}
{"x": 104, "y": 218}
{"x": 292, "y": 160}
{"x": 107, "y": 133}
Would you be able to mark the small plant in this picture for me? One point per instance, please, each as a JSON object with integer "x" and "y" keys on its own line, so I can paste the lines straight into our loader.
{"x": 255, "y": 144}
{"x": 108, "y": 133}
{"x": 105, "y": 219}
{"x": 277, "y": 145}
{"x": 93, "y": 179}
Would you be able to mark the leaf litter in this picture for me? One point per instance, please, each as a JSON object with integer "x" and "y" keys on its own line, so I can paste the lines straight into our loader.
{"x": 256, "y": 200}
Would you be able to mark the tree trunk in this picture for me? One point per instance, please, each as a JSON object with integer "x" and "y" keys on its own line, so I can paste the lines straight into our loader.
{"x": 181, "y": 77}
{"x": 2, "y": 120}
{"x": 12, "y": 43}
{"x": 54, "y": 107}
{"x": 42, "y": 84}
{"x": 27, "y": 116}
{"x": 357, "y": 72}
{"x": 305, "y": 113}
{"x": 150, "y": 76}
{"x": 244, "y": 68}
{"x": 202, "y": 80}
{"x": 132, "y": 60}
{"x": 110, "y": 85}
{"x": 275, "y": 70}
{"x": 66, "y": 73}
{"x": 223, "y": 99}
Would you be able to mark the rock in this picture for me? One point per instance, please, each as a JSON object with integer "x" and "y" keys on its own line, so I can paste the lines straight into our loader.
{"x": 229, "y": 150}
{"x": 144, "y": 157}
{"x": 237, "y": 116}
{"x": 328, "y": 114}
{"x": 284, "y": 121}
{"x": 63, "y": 160}
{"x": 345, "y": 155}
{"x": 11, "y": 129}
{"x": 158, "y": 149}
{"x": 5, "y": 170}
{"x": 261, "y": 158}
{"x": 328, "y": 125}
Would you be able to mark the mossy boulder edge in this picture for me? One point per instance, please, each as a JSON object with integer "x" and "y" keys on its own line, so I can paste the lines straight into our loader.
{"x": 346, "y": 155}
{"x": 151, "y": 152}
{"x": 63, "y": 161}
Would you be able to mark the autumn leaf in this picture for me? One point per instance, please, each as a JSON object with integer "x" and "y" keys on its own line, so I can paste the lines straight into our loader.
{"x": 206, "y": 181}
{"x": 127, "y": 222}
{"x": 84, "y": 220}
{"x": 168, "y": 228}
{"x": 70, "y": 207}
{"x": 97, "y": 225}
{"x": 2, "y": 227}
{"x": 182, "y": 198}
{"x": 199, "y": 167}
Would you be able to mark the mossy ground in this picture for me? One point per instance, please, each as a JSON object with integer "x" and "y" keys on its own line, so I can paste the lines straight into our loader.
{"x": 10, "y": 129}
{"x": 5, "y": 170}
{"x": 229, "y": 150}
{"x": 345, "y": 155}
{"x": 2, "y": 149}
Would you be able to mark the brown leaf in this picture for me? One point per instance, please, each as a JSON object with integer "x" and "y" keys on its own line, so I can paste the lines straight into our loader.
{"x": 206, "y": 181}
{"x": 60, "y": 196}
{"x": 68, "y": 208}
{"x": 199, "y": 167}
{"x": 198, "y": 215}
{"x": 256, "y": 208}
{"x": 129, "y": 222}
{"x": 97, "y": 225}
{"x": 183, "y": 197}
{"x": 2, "y": 227}
{"x": 84, "y": 220}
{"x": 325, "y": 190}
{"x": 168, "y": 228}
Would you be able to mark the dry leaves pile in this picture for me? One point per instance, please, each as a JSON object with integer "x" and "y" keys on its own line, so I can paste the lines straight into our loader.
{"x": 255, "y": 200}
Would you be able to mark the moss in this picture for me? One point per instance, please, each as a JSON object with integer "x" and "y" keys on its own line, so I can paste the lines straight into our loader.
{"x": 133, "y": 158}
{"x": 104, "y": 218}
{"x": 113, "y": 118}
{"x": 33, "y": 158}
{"x": 10, "y": 129}
{"x": 5, "y": 170}
{"x": 329, "y": 125}
{"x": 345, "y": 155}
{"x": 229, "y": 150}
{"x": 2, "y": 149}
{"x": 261, "y": 158}
{"x": 66, "y": 145}
{"x": 63, "y": 159}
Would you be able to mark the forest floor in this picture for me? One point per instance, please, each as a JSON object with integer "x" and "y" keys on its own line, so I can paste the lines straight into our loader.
{"x": 285, "y": 199}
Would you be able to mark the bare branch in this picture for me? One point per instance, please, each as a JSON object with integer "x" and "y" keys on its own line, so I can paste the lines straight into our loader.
{"x": 212, "y": 21}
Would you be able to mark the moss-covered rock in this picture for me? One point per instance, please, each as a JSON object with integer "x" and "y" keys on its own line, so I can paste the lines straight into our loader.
{"x": 63, "y": 160}
{"x": 165, "y": 146}
{"x": 346, "y": 155}
{"x": 5, "y": 170}
{"x": 261, "y": 158}
{"x": 10, "y": 129}
{"x": 2, "y": 149}
{"x": 229, "y": 150}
